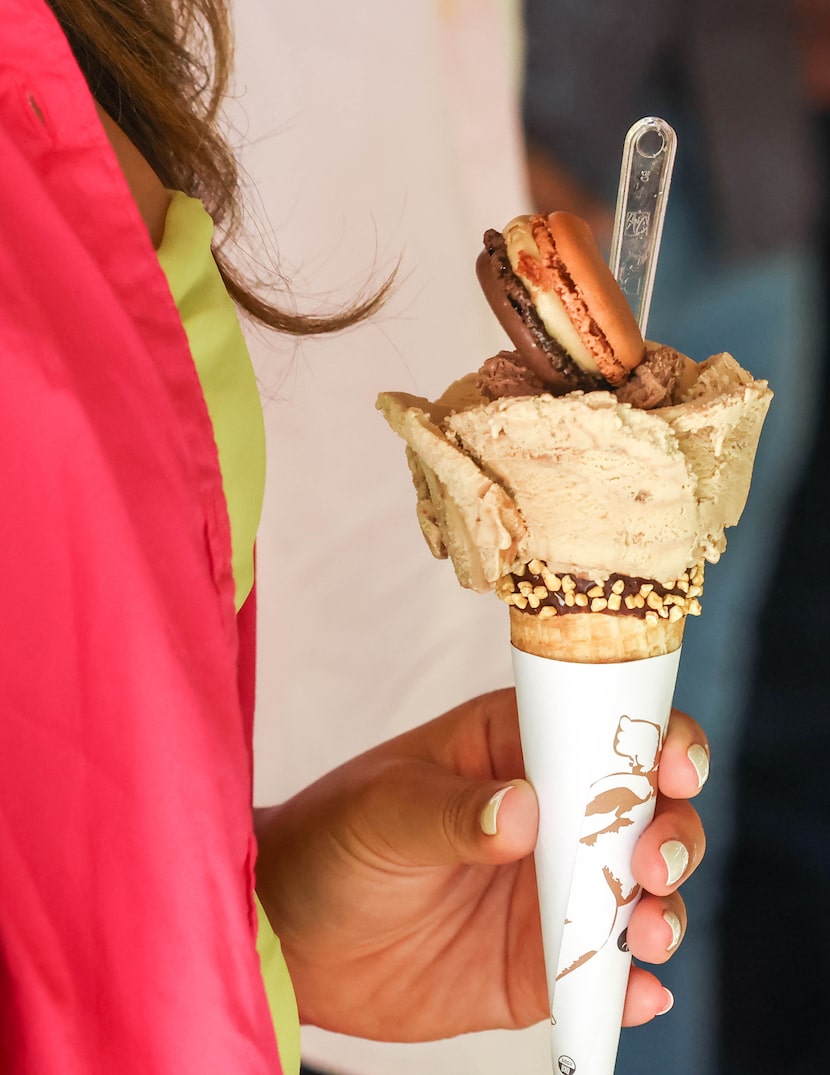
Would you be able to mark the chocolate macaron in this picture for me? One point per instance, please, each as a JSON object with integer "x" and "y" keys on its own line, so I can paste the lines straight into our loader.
{"x": 557, "y": 300}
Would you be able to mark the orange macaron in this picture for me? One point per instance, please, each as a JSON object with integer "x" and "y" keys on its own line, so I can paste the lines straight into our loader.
{"x": 559, "y": 303}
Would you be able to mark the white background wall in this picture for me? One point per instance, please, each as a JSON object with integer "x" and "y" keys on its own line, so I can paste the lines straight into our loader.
{"x": 372, "y": 131}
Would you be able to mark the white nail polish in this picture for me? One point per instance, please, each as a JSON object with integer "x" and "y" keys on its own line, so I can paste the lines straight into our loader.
{"x": 676, "y": 858}
{"x": 490, "y": 813}
{"x": 699, "y": 757}
{"x": 669, "y": 1002}
{"x": 675, "y": 927}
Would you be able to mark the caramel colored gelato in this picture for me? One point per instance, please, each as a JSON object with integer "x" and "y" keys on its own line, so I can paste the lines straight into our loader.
{"x": 585, "y": 485}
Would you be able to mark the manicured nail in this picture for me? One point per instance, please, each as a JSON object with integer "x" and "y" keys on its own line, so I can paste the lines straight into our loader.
{"x": 490, "y": 814}
{"x": 676, "y": 858}
{"x": 669, "y": 1002}
{"x": 699, "y": 757}
{"x": 675, "y": 927}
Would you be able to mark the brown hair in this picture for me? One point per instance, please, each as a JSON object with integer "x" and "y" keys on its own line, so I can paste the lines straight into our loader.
{"x": 160, "y": 69}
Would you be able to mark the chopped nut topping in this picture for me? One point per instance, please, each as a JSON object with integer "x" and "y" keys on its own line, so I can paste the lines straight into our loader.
{"x": 534, "y": 586}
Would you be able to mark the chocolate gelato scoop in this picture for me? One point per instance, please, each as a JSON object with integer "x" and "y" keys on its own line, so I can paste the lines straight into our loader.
{"x": 654, "y": 382}
{"x": 506, "y": 375}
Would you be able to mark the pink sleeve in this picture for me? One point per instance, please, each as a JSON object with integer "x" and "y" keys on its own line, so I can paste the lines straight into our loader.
{"x": 127, "y": 922}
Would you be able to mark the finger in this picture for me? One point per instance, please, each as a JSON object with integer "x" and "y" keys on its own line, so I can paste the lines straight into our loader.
{"x": 478, "y": 739}
{"x": 646, "y": 997}
{"x": 670, "y": 849}
{"x": 508, "y": 823}
{"x": 447, "y": 819}
{"x": 657, "y": 928}
{"x": 684, "y": 762}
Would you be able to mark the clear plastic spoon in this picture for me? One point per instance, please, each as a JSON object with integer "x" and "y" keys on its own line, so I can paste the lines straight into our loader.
{"x": 645, "y": 177}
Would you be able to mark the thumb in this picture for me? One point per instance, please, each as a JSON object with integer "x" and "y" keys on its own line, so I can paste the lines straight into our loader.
{"x": 507, "y": 824}
{"x": 437, "y": 818}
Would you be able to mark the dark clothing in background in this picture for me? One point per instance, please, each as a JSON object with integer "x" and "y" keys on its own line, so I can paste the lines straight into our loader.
{"x": 594, "y": 68}
{"x": 776, "y": 931}
{"x": 737, "y": 271}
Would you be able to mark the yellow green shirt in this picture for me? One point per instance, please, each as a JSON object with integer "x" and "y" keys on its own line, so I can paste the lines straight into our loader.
{"x": 229, "y": 386}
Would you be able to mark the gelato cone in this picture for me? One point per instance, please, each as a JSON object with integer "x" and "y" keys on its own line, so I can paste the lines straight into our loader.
{"x": 594, "y": 695}
{"x": 592, "y": 736}
{"x": 585, "y": 479}
{"x": 593, "y": 639}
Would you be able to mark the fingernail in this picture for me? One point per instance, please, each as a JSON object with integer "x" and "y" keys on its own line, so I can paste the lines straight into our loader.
{"x": 676, "y": 858}
{"x": 669, "y": 1002}
{"x": 490, "y": 814}
{"x": 675, "y": 927}
{"x": 699, "y": 757}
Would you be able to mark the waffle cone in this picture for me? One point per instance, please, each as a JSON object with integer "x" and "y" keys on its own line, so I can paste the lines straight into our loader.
{"x": 594, "y": 637}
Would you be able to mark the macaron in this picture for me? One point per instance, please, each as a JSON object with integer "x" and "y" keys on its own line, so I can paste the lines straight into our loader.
{"x": 547, "y": 282}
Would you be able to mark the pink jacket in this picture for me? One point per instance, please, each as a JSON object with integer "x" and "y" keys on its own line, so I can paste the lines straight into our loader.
{"x": 127, "y": 923}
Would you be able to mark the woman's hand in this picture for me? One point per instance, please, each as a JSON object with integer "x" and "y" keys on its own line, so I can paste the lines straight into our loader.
{"x": 403, "y": 916}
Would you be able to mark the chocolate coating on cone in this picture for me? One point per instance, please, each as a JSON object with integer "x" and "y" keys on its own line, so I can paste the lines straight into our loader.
{"x": 594, "y": 637}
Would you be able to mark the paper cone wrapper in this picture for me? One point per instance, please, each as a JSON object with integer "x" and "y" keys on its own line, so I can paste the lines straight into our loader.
{"x": 593, "y": 711}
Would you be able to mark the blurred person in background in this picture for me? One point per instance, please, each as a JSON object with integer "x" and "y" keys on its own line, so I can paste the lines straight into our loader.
{"x": 738, "y": 272}
{"x": 776, "y": 987}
